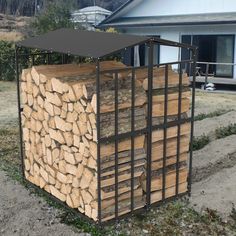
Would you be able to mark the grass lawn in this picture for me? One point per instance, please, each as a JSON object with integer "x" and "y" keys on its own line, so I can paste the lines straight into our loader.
{"x": 7, "y": 86}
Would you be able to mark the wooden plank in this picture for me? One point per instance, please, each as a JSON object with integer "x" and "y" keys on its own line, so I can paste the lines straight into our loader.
{"x": 171, "y": 96}
{"x": 109, "y": 149}
{"x": 171, "y": 147}
{"x": 108, "y": 104}
{"x": 111, "y": 201}
{"x": 156, "y": 183}
{"x": 156, "y": 165}
{"x": 123, "y": 209}
{"x": 158, "y": 135}
{"x": 159, "y": 107}
{"x": 111, "y": 181}
{"x": 121, "y": 168}
{"x": 159, "y": 79}
{"x": 111, "y": 194}
{"x": 170, "y": 192}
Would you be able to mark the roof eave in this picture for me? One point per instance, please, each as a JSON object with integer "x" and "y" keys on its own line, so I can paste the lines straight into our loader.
{"x": 116, "y": 12}
{"x": 117, "y": 25}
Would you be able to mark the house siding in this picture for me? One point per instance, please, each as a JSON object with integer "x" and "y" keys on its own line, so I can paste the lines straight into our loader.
{"x": 168, "y": 54}
{"x": 170, "y": 7}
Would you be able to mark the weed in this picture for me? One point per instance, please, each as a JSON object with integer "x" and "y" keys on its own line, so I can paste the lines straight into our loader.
{"x": 223, "y": 132}
{"x": 203, "y": 116}
{"x": 200, "y": 142}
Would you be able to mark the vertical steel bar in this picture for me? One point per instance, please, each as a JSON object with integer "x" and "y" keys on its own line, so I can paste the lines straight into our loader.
{"x": 48, "y": 58}
{"x": 165, "y": 134}
{"x": 116, "y": 145}
{"x": 179, "y": 127}
{"x": 206, "y": 75}
{"x": 19, "y": 111}
{"x": 149, "y": 125}
{"x": 33, "y": 60}
{"x": 192, "y": 121}
{"x": 132, "y": 137}
{"x": 98, "y": 140}
{"x": 62, "y": 58}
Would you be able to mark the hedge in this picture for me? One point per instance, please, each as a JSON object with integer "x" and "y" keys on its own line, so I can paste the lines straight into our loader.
{"x": 7, "y": 58}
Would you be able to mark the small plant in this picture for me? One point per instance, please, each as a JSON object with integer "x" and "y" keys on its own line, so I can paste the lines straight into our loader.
{"x": 200, "y": 142}
{"x": 203, "y": 116}
{"x": 7, "y": 66}
{"x": 223, "y": 132}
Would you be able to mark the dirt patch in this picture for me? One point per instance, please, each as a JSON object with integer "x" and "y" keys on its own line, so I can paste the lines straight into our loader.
{"x": 209, "y": 125}
{"x": 217, "y": 192}
{"x": 22, "y": 214}
{"x": 214, "y": 166}
{"x": 214, "y": 157}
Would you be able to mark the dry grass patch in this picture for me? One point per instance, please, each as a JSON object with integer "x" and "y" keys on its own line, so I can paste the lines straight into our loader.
{"x": 12, "y": 36}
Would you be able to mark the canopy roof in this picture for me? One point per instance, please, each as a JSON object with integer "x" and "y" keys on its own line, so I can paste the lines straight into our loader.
{"x": 83, "y": 43}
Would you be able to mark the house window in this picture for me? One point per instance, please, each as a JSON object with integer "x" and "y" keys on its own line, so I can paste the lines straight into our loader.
{"x": 130, "y": 54}
{"x": 212, "y": 48}
{"x": 224, "y": 54}
{"x": 143, "y": 53}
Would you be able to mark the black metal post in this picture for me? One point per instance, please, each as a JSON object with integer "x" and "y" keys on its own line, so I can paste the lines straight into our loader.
{"x": 19, "y": 111}
{"x": 206, "y": 75}
{"x": 116, "y": 145}
{"x": 165, "y": 134}
{"x": 132, "y": 137}
{"x": 98, "y": 140}
{"x": 149, "y": 125}
{"x": 179, "y": 127}
{"x": 62, "y": 58}
{"x": 33, "y": 60}
{"x": 192, "y": 121}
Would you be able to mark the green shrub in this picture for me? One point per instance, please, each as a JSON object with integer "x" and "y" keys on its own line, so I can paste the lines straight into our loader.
{"x": 7, "y": 59}
{"x": 54, "y": 16}
{"x": 200, "y": 142}
{"x": 225, "y": 131}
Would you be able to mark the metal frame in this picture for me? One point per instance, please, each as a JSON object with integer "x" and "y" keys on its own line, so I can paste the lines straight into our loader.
{"x": 133, "y": 133}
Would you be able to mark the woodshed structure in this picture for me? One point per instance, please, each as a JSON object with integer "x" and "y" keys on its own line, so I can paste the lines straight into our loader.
{"x": 104, "y": 138}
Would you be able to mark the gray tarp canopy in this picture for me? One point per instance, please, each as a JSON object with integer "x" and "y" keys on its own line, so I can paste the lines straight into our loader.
{"x": 82, "y": 43}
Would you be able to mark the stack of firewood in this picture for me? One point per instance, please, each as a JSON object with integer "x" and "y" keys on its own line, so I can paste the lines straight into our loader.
{"x": 59, "y": 122}
{"x": 158, "y": 172}
{"x": 60, "y": 136}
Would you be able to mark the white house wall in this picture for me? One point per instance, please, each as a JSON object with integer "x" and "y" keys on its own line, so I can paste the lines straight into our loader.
{"x": 179, "y": 7}
{"x": 168, "y": 54}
